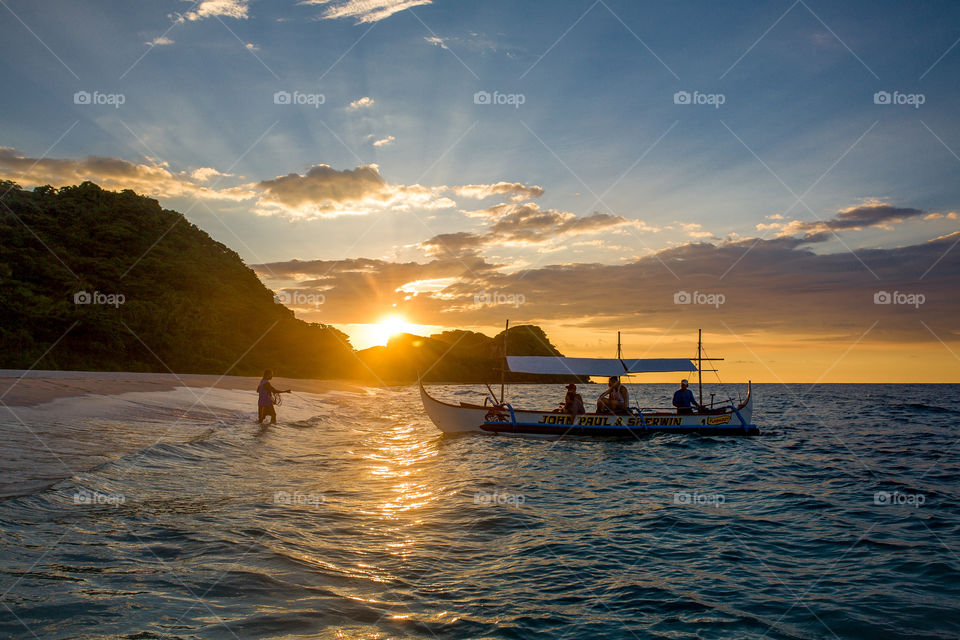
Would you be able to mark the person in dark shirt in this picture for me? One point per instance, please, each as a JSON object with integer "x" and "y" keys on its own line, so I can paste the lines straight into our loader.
{"x": 573, "y": 401}
{"x": 683, "y": 399}
{"x": 265, "y": 390}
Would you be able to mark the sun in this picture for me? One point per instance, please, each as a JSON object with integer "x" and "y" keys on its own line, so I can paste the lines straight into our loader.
{"x": 390, "y": 326}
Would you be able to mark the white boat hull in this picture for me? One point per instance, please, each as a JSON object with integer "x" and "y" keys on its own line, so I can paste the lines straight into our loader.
{"x": 465, "y": 418}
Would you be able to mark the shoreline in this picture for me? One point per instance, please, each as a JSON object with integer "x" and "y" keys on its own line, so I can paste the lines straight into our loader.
{"x": 19, "y": 388}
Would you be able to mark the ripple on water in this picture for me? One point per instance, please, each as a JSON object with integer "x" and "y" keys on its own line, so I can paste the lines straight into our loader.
{"x": 358, "y": 519}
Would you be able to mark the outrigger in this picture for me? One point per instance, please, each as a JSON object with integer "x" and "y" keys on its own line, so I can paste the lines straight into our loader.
{"x": 720, "y": 418}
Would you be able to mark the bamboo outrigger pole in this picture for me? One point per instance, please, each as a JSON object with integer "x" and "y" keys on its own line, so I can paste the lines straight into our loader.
{"x": 700, "y": 364}
{"x": 503, "y": 365}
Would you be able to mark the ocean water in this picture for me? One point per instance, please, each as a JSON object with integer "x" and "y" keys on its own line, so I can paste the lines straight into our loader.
{"x": 140, "y": 516}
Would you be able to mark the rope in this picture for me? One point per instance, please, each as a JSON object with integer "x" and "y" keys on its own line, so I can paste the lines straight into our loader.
{"x": 721, "y": 383}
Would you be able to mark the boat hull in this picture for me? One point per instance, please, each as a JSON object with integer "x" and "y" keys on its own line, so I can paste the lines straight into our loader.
{"x": 465, "y": 418}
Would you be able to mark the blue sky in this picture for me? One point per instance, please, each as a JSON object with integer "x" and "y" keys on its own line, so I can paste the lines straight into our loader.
{"x": 598, "y": 128}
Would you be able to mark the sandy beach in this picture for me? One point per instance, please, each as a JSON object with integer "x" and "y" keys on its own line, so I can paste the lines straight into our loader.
{"x": 20, "y": 388}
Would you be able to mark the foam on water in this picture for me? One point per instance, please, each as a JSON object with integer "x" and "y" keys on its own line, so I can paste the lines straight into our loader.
{"x": 354, "y": 517}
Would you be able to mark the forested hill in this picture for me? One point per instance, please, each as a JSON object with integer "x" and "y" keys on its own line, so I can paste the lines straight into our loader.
{"x": 457, "y": 356}
{"x": 105, "y": 281}
{"x": 99, "y": 280}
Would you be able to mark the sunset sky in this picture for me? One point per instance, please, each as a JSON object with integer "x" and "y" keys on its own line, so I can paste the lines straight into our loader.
{"x": 784, "y": 175}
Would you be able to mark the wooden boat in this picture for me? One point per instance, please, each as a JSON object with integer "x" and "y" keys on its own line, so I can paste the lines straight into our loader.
{"x": 726, "y": 418}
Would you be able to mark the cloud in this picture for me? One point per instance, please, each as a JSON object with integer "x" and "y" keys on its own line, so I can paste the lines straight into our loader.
{"x": 871, "y": 214}
{"x": 159, "y": 41}
{"x": 215, "y": 8}
{"x": 523, "y": 225}
{"x": 203, "y": 174}
{"x": 454, "y": 244}
{"x": 364, "y": 10}
{"x": 516, "y": 191}
{"x": 113, "y": 173}
{"x": 361, "y": 103}
{"x": 694, "y": 230}
{"x": 473, "y": 42}
{"x": 382, "y": 142}
{"x": 940, "y": 216}
{"x": 326, "y": 192}
{"x": 776, "y": 288}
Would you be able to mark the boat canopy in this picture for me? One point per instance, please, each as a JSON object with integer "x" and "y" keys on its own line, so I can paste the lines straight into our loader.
{"x": 596, "y": 366}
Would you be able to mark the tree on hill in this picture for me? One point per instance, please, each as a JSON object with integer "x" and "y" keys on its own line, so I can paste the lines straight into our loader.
{"x": 95, "y": 279}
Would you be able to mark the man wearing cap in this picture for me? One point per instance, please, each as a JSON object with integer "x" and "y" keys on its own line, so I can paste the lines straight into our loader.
{"x": 573, "y": 401}
{"x": 683, "y": 399}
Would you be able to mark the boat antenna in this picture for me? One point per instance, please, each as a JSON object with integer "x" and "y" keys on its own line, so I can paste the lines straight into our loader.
{"x": 503, "y": 365}
{"x": 618, "y": 346}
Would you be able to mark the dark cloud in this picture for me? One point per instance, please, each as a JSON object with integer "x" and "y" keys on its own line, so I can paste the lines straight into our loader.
{"x": 324, "y": 191}
{"x": 153, "y": 179}
{"x": 323, "y": 184}
{"x": 778, "y": 285}
{"x": 875, "y": 214}
{"x": 522, "y": 224}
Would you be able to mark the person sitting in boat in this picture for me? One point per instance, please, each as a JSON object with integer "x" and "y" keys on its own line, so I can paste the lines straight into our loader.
{"x": 616, "y": 399}
{"x": 573, "y": 401}
{"x": 683, "y": 399}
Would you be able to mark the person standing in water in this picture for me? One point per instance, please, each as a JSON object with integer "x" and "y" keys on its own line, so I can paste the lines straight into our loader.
{"x": 265, "y": 402}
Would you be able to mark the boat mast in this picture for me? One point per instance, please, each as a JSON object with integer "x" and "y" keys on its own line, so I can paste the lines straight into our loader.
{"x": 618, "y": 345}
{"x": 503, "y": 365}
{"x": 700, "y": 364}
{"x": 700, "y": 361}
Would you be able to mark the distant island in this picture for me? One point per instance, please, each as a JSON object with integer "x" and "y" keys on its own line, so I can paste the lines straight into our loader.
{"x": 97, "y": 280}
